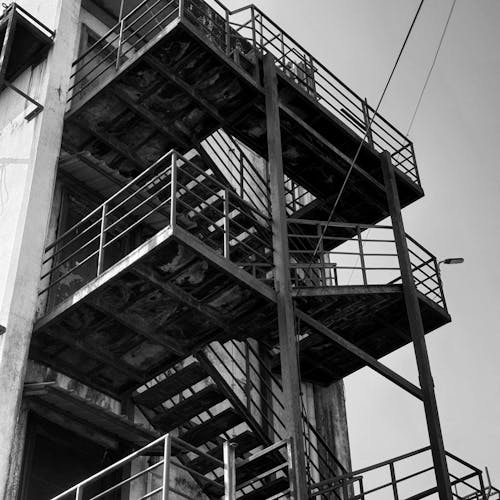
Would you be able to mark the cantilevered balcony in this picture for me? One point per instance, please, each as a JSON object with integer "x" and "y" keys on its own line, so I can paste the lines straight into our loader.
{"x": 347, "y": 276}
{"x": 169, "y": 263}
{"x": 170, "y": 74}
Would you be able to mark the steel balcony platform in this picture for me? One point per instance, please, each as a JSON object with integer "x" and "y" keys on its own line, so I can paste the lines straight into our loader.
{"x": 132, "y": 104}
{"x": 372, "y": 317}
{"x": 161, "y": 303}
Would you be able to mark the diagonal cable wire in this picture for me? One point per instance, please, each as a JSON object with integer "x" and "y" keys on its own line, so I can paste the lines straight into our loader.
{"x": 353, "y": 162}
{"x": 443, "y": 34}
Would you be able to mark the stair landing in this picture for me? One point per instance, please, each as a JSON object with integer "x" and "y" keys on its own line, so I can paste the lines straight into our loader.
{"x": 165, "y": 300}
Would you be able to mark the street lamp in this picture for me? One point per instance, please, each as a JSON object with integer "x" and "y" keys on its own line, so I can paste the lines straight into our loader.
{"x": 452, "y": 260}
{"x": 449, "y": 260}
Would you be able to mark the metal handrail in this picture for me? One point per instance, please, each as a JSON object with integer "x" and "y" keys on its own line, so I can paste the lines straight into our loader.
{"x": 167, "y": 442}
{"x": 269, "y": 411}
{"x": 165, "y": 194}
{"x": 350, "y": 252}
{"x": 360, "y": 477}
{"x": 265, "y": 35}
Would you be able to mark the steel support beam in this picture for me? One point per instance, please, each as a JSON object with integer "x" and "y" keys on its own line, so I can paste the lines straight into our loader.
{"x": 417, "y": 332}
{"x": 286, "y": 319}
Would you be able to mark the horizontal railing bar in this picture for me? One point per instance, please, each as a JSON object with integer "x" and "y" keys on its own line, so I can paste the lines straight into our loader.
{"x": 307, "y": 222}
{"x": 261, "y": 453}
{"x": 152, "y": 493}
{"x": 140, "y": 205}
{"x": 263, "y": 475}
{"x": 138, "y": 222}
{"x": 377, "y": 466}
{"x": 220, "y": 184}
{"x": 69, "y": 272}
{"x": 112, "y": 467}
{"x": 128, "y": 480}
{"x": 123, "y": 189}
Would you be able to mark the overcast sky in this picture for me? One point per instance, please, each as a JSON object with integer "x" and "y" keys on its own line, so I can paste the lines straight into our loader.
{"x": 456, "y": 135}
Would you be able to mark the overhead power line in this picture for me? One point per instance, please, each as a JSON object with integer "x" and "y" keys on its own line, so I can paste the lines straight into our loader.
{"x": 443, "y": 34}
{"x": 353, "y": 162}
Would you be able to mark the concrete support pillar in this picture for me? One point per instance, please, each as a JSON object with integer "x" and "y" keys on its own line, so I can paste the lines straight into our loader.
{"x": 417, "y": 332}
{"x": 331, "y": 424}
{"x": 286, "y": 318}
{"x": 28, "y": 160}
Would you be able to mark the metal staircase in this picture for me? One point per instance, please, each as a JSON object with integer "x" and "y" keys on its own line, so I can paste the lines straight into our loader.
{"x": 167, "y": 293}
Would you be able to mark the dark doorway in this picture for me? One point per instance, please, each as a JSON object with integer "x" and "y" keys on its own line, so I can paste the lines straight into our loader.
{"x": 56, "y": 459}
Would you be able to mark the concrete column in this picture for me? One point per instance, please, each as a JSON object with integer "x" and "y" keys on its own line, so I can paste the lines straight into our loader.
{"x": 331, "y": 424}
{"x": 28, "y": 161}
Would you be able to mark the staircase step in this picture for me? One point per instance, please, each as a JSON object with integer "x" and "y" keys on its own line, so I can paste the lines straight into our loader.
{"x": 258, "y": 466}
{"x": 188, "y": 408}
{"x": 267, "y": 490}
{"x": 245, "y": 442}
{"x": 210, "y": 429}
{"x": 172, "y": 385}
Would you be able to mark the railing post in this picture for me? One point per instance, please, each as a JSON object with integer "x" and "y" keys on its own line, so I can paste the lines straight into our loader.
{"x": 393, "y": 481}
{"x": 227, "y": 236}
{"x": 440, "y": 283}
{"x": 119, "y": 50}
{"x": 242, "y": 179}
{"x": 228, "y": 33}
{"x": 366, "y": 115}
{"x": 361, "y": 256}
{"x": 321, "y": 254}
{"x": 79, "y": 493}
{"x": 173, "y": 191}
{"x": 120, "y": 37}
{"x": 254, "y": 42}
{"x": 417, "y": 331}
{"x": 102, "y": 238}
{"x": 481, "y": 484}
{"x": 345, "y": 492}
{"x": 182, "y": 7}
{"x": 229, "y": 471}
{"x": 167, "y": 449}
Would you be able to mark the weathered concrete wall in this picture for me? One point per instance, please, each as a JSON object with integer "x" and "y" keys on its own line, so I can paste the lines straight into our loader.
{"x": 28, "y": 159}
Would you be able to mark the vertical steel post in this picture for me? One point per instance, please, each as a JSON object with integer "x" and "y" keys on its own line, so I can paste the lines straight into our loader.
{"x": 79, "y": 493}
{"x": 321, "y": 254}
{"x": 229, "y": 471}
{"x": 361, "y": 256}
{"x": 120, "y": 36}
{"x": 228, "y": 33}
{"x": 345, "y": 492}
{"x": 181, "y": 9}
{"x": 102, "y": 240}
{"x": 255, "y": 51}
{"x": 173, "y": 190}
{"x": 167, "y": 450}
{"x": 227, "y": 235}
{"x": 417, "y": 332}
{"x": 286, "y": 319}
{"x": 366, "y": 115}
{"x": 394, "y": 481}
